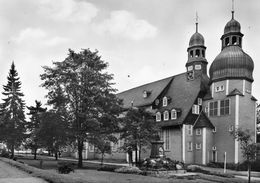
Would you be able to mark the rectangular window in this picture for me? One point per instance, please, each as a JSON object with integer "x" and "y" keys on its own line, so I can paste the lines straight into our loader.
{"x": 91, "y": 148}
{"x": 219, "y": 88}
{"x": 198, "y": 131}
{"x": 195, "y": 109}
{"x": 158, "y": 116}
{"x": 224, "y": 107}
{"x": 167, "y": 139}
{"x": 198, "y": 145}
{"x": 161, "y": 135}
{"x": 189, "y": 129}
{"x": 189, "y": 146}
{"x": 213, "y": 108}
{"x": 199, "y": 101}
{"x": 114, "y": 146}
{"x": 165, "y": 101}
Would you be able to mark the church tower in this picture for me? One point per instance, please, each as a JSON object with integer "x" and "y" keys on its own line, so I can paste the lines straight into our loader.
{"x": 231, "y": 105}
{"x": 197, "y": 63}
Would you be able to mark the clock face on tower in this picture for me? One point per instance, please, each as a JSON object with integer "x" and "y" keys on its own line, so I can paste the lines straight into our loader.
{"x": 190, "y": 75}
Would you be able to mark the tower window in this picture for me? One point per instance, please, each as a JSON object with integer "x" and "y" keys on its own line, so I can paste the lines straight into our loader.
{"x": 240, "y": 41}
{"x": 234, "y": 40}
{"x": 197, "y": 53}
{"x": 227, "y": 41}
{"x": 191, "y": 53}
{"x": 203, "y": 53}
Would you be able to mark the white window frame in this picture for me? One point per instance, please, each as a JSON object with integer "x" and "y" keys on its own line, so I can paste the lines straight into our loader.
{"x": 166, "y": 115}
{"x": 173, "y": 114}
{"x": 199, "y": 101}
{"x": 165, "y": 101}
{"x": 190, "y": 68}
{"x": 198, "y": 145}
{"x": 195, "y": 109}
{"x": 158, "y": 117}
{"x": 220, "y": 88}
{"x": 198, "y": 131}
{"x": 190, "y": 129}
{"x": 190, "y": 148}
{"x": 91, "y": 148}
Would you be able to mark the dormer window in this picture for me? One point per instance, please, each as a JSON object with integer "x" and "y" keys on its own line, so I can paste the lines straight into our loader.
{"x": 165, "y": 101}
{"x": 166, "y": 115}
{"x": 173, "y": 114}
{"x": 199, "y": 101}
{"x": 195, "y": 109}
{"x": 158, "y": 116}
{"x": 146, "y": 93}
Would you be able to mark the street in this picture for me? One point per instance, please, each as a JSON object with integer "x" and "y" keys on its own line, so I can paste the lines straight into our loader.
{"x": 9, "y": 174}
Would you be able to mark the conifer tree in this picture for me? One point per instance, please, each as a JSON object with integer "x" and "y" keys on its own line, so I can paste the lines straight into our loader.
{"x": 12, "y": 112}
{"x": 34, "y": 125}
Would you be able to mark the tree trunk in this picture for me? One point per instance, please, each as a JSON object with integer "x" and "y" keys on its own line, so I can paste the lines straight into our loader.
{"x": 249, "y": 172}
{"x": 136, "y": 158}
{"x": 12, "y": 151}
{"x": 56, "y": 155}
{"x": 102, "y": 159}
{"x": 80, "y": 149}
{"x": 35, "y": 153}
{"x": 139, "y": 159}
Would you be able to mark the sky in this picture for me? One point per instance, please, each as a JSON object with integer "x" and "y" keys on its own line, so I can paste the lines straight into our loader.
{"x": 142, "y": 40}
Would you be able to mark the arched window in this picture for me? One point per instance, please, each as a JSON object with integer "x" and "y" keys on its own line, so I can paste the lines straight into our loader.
{"x": 166, "y": 115}
{"x": 191, "y": 53}
{"x": 197, "y": 53}
{"x": 173, "y": 114}
{"x": 165, "y": 101}
{"x": 234, "y": 40}
{"x": 227, "y": 41}
{"x": 158, "y": 116}
{"x": 203, "y": 53}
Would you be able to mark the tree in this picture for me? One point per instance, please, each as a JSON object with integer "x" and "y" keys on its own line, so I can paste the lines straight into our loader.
{"x": 34, "y": 125}
{"x": 12, "y": 112}
{"x": 81, "y": 88}
{"x": 53, "y": 132}
{"x": 247, "y": 145}
{"x": 139, "y": 129}
{"x": 258, "y": 123}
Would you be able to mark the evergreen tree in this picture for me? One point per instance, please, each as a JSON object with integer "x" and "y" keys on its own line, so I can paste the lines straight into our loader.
{"x": 12, "y": 112}
{"x": 33, "y": 126}
{"x": 80, "y": 87}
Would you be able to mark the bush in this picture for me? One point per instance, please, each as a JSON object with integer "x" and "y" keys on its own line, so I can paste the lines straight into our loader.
{"x": 5, "y": 153}
{"x": 107, "y": 168}
{"x": 161, "y": 164}
{"x": 65, "y": 168}
{"x": 129, "y": 169}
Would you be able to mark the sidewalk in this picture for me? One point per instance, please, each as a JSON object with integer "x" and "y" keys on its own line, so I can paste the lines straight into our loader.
{"x": 240, "y": 174}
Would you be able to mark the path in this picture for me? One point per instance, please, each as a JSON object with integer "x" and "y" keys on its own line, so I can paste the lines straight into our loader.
{"x": 9, "y": 174}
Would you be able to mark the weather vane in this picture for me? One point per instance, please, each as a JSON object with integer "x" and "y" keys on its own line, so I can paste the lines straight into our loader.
{"x": 232, "y": 11}
{"x": 197, "y": 20}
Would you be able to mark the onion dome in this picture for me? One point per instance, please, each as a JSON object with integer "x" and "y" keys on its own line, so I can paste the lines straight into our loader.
{"x": 232, "y": 26}
{"x": 196, "y": 40}
{"x": 232, "y": 63}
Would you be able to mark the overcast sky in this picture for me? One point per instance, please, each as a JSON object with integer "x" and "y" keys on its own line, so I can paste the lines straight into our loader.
{"x": 145, "y": 39}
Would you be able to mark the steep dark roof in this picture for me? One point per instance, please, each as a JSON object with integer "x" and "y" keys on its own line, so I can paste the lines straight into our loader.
{"x": 183, "y": 94}
{"x": 203, "y": 121}
{"x": 135, "y": 95}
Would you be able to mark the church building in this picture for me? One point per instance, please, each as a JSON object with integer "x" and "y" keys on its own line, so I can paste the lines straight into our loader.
{"x": 197, "y": 111}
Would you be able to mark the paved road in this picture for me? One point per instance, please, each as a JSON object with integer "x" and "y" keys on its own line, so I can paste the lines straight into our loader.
{"x": 9, "y": 174}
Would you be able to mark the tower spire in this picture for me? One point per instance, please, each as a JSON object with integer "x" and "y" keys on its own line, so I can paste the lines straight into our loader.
{"x": 197, "y": 21}
{"x": 232, "y": 11}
